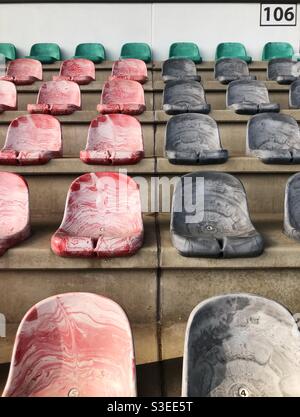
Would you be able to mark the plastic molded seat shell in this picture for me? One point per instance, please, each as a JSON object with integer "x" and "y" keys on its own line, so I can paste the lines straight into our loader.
{"x": 23, "y": 71}
{"x": 102, "y": 217}
{"x": 93, "y": 51}
{"x": 136, "y": 50}
{"x": 114, "y": 139}
{"x": 249, "y": 97}
{"x": 241, "y": 345}
{"x": 210, "y": 218}
{"x": 122, "y": 96}
{"x": 129, "y": 69}
{"x": 184, "y": 97}
{"x": 8, "y": 50}
{"x": 8, "y": 96}
{"x": 283, "y": 70}
{"x": 46, "y": 53}
{"x": 292, "y": 207}
{"x": 179, "y": 69}
{"x": 274, "y": 138}
{"x": 193, "y": 139}
{"x": 32, "y": 140}
{"x": 231, "y": 69}
{"x": 57, "y": 98}
{"x": 79, "y": 70}
{"x": 294, "y": 95}
{"x": 73, "y": 345}
{"x": 277, "y": 50}
{"x": 14, "y": 210}
{"x": 232, "y": 50}
{"x": 186, "y": 50}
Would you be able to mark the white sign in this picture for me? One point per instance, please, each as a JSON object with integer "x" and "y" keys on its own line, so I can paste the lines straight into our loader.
{"x": 278, "y": 14}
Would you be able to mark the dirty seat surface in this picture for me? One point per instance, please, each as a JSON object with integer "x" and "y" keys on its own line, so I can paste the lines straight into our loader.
{"x": 24, "y": 71}
{"x": 277, "y": 50}
{"x": 210, "y": 217}
{"x": 32, "y": 140}
{"x": 136, "y": 50}
{"x": 46, "y": 53}
{"x": 129, "y": 69}
{"x": 114, "y": 139}
{"x": 73, "y": 345}
{"x": 232, "y": 50}
{"x": 184, "y": 97}
{"x": 292, "y": 207}
{"x": 79, "y": 70}
{"x": 93, "y": 51}
{"x": 186, "y": 50}
{"x": 179, "y": 69}
{"x": 283, "y": 70}
{"x": 14, "y": 208}
{"x": 8, "y": 96}
{"x": 241, "y": 345}
{"x": 102, "y": 217}
{"x": 294, "y": 95}
{"x": 231, "y": 69}
{"x": 193, "y": 139}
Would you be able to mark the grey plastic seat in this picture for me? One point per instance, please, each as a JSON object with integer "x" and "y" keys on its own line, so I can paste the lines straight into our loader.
{"x": 193, "y": 139}
{"x": 292, "y": 207}
{"x": 294, "y": 95}
{"x": 241, "y": 345}
{"x": 231, "y": 69}
{"x": 184, "y": 97}
{"x": 249, "y": 97}
{"x": 210, "y": 218}
{"x": 283, "y": 70}
{"x": 274, "y": 138}
{"x": 179, "y": 69}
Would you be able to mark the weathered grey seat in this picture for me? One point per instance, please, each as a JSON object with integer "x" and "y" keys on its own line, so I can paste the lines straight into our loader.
{"x": 294, "y": 95}
{"x": 193, "y": 139}
{"x": 292, "y": 207}
{"x": 274, "y": 138}
{"x": 184, "y": 97}
{"x": 283, "y": 70}
{"x": 249, "y": 97}
{"x": 179, "y": 69}
{"x": 241, "y": 345}
{"x": 210, "y": 217}
{"x": 231, "y": 69}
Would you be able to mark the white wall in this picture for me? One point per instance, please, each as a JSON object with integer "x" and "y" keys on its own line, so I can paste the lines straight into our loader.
{"x": 157, "y": 24}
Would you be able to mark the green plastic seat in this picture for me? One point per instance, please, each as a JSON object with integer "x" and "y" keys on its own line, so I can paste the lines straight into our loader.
{"x": 46, "y": 53}
{"x": 186, "y": 50}
{"x": 274, "y": 50}
{"x": 93, "y": 51}
{"x": 8, "y": 50}
{"x": 135, "y": 50}
{"x": 232, "y": 50}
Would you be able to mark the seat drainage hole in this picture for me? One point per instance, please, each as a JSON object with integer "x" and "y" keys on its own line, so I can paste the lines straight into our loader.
{"x": 243, "y": 392}
{"x": 73, "y": 392}
{"x": 209, "y": 228}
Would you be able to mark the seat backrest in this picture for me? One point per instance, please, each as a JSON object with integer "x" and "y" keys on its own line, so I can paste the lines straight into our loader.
{"x": 129, "y": 66}
{"x": 231, "y": 67}
{"x": 120, "y": 91}
{"x": 73, "y": 344}
{"x": 179, "y": 68}
{"x": 25, "y": 67}
{"x": 138, "y": 50}
{"x": 240, "y": 91}
{"x": 77, "y": 67}
{"x": 8, "y": 50}
{"x": 176, "y": 92}
{"x": 292, "y": 202}
{"x": 188, "y": 50}
{"x": 230, "y": 50}
{"x": 90, "y": 50}
{"x": 277, "y": 50}
{"x": 8, "y": 94}
{"x": 294, "y": 94}
{"x": 59, "y": 92}
{"x": 50, "y": 49}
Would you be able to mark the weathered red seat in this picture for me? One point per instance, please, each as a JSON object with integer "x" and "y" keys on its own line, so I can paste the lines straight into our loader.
{"x": 122, "y": 96}
{"x": 31, "y": 140}
{"x": 79, "y": 70}
{"x": 23, "y": 71}
{"x": 14, "y": 210}
{"x": 8, "y": 96}
{"x": 114, "y": 139}
{"x": 129, "y": 69}
{"x": 57, "y": 98}
{"x": 73, "y": 345}
{"x": 102, "y": 217}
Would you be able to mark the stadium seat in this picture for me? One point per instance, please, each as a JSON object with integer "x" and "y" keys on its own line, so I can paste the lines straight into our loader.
{"x": 32, "y": 140}
{"x": 241, "y": 345}
{"x": 249, "y": 97}
{"x": 73, "y": 345}
{"x": 232, "y": 50}
{"x": 184, "y": 97}
{"x": 57, "y": 98}
{"x": 8, "y": 50}
{"x": 274, "y": 138}
{"x": 294, "y": 95}
{"x": 274, "y": 50}
{"x": 114, "y": 139}
{"x": 193, "y": 139}
{"x": 46, "y": 53}
{"x": 8, "y": 96}
{"x": 129, "y": 69}
{"x": 186, "y": 50}
{"x": 122, "y": 96}
{"x": 292, "y": 207}
{"x": 283, "y": 70}
{"x": 210, "y": 218}
{"x": 231, "y": 69}
{"x": 93, "y": 51}
{"x": 79, "y": 70}
{"x": 179, "y": 69}
{"x": 140, "y": 51}
{"x": 14, "y": 210}
{"x": 23, "y": 71}
{"x": 102, "y": 217}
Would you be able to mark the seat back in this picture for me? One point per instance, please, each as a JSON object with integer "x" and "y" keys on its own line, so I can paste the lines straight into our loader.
{"x": 230, "y": 50}
{"x": 292, "y": 206}
{"x": 179, "y": 69}
{"x": 23, "y": 68}
{"x": 136, "y": 50}
{"x": 277, "y": 50}
{"x": 294, "y": 94}
{"x": 92, "y": 51}
{"x": 182, "y": 92}
{"x": 187, "y": 50}
{"x": 8, "y": 50}
{"x": 46, "y": 49}
{"x": 129, "y": 69}
{"x": 77, "y": 67}
{"x": 8, "y": 95}
{"x": 240, "y": 91}
{"x": 76, "y": 345}
{"x": 59, "y": 92}
{"x": 233, "y": 68}
{"x": 120, "y": 91}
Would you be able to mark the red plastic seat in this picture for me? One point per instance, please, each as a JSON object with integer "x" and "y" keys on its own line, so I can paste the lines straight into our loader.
{"x": 23, "y": 71}
{"x": 114, "y": 139}
{"x": 73, "y": 345}
{"x": 122, "y": 96}
{"x": 14, "y": 210}
{"x": 102, "y": 217}
{"x": 8, "y": 96}
{"x": 57, "y": 98}
{"x": 31, "y": 140}
{"x": 129, "y": 69}
{"x": 79, "y": 70}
